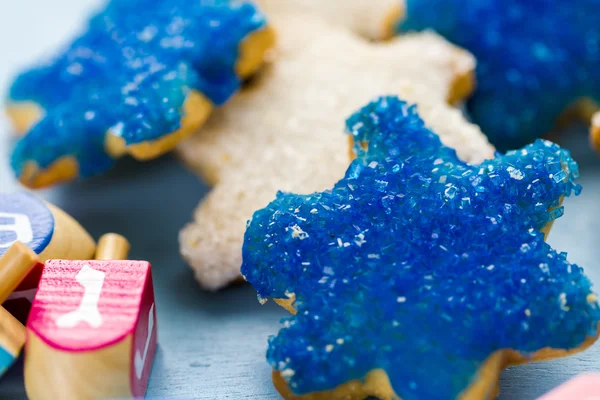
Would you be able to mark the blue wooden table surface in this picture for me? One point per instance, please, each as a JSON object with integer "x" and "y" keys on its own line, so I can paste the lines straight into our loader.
{"x": 212, "y": 346}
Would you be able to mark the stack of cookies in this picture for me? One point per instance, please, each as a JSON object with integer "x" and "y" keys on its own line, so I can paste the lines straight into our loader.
{"x": 377, "y": 169}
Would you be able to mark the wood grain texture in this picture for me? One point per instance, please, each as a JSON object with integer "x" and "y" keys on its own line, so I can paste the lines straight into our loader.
{"x": 212, "y": 346}
{"x": 45, "y": 228}
{"x": 112, "y": 246}
{"x": 69, "y": 240}
{"x": 91, "y": 330}
{"x": 15, "y": 265}
{"x": 48, "y": 231}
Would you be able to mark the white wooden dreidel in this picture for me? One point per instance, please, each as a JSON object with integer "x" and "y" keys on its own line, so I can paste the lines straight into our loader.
{"x": 91, "y": 332}
{"x": 48, "y": 231}
{"x": 15, "y": 264}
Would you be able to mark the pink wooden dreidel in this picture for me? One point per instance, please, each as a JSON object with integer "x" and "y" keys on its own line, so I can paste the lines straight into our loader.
{"x": 91, "y": 332}
{"x": 15, "y": 264}
{"x": 45, "y": 229}
{"x": 582, "y": 387}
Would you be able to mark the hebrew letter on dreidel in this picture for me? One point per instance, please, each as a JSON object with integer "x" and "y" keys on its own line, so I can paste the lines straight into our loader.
{"x": 87, "y": 311}
{"x": 45, "y": 229}
{"x": 91, "y": 333}
{"x": 140, "y": 360}
{"x": 17, "y": 223}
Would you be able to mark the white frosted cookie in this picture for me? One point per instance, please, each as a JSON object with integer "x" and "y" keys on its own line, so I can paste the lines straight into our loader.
{"x": 285, "y": 131}
{"x": 373, "y": 19}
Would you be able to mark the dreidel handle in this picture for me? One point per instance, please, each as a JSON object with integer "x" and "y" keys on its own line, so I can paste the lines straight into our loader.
{"x": 12, "y": 335}
{"x": 15, "y": 264}
{"x": 112, "y": 246}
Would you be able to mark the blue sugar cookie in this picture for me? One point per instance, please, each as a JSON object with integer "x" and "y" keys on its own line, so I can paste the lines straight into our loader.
{"x": 143, "y": 75}
{"x": 535, "y": 59}
{"x": 418, "y": 275}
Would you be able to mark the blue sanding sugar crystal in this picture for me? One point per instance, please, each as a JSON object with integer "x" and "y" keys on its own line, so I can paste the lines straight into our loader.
{"x": 131, "y": 71}
{"x": 418, "y": 263}
{"x": 535, "y": 58}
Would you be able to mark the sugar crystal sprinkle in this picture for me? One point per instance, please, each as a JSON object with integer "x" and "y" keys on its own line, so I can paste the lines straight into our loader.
{"x": 535, "y": 58}
{"x": 425, "y": 303}
{"x": 130, "y": 72}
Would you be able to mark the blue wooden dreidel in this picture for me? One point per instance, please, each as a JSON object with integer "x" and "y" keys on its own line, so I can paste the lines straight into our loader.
{"x": 45, "y": 229}
{"x": 91, "y": 332}
{"x": 15, "y": 264}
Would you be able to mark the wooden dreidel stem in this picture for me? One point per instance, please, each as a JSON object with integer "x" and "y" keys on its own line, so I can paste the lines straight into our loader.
{"x": 15, "y": 264}
{"x": 91, "y": 333}
{"x": 48, "y": 231}
{"x": 112, "y": 246}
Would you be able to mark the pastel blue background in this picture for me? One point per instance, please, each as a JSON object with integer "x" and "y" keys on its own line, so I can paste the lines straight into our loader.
{"x": 212, "y": 346}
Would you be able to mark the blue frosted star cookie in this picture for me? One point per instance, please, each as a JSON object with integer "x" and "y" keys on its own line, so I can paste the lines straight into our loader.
{"x": 536, "y": 59}
{"x": 144, "y": 75}
{"x": 419, "y": 275}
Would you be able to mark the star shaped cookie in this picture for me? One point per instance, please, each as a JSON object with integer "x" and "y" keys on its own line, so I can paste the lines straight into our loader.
{"x": 374, "y": 19}
{"x": 285, "y": 131}
{"x": 418, "y": 275}
{"x": 535, "y": 60}
{"x": 143, "y": 76}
